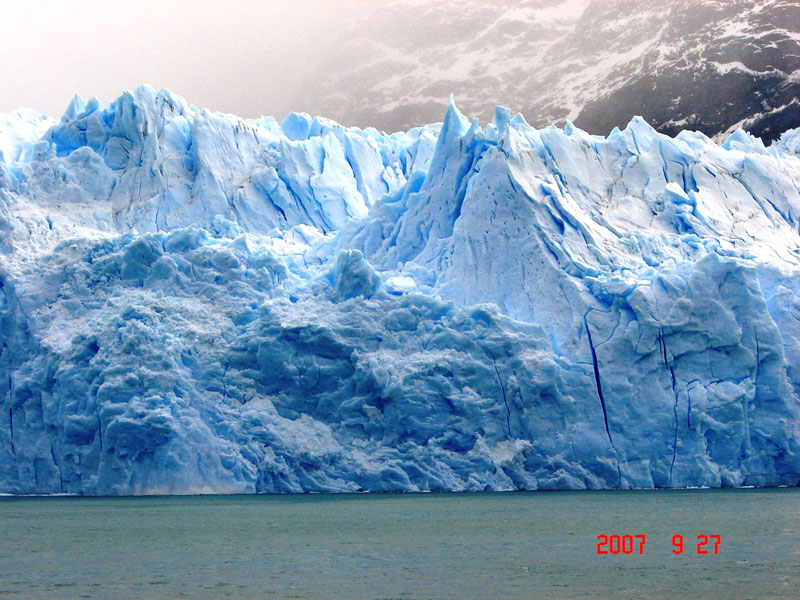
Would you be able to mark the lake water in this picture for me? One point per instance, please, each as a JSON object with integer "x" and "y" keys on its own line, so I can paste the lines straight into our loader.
{"x": 515, "y": 545}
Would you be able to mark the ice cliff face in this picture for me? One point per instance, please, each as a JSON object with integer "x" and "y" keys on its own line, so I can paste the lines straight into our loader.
{"x": 192, "y": 302}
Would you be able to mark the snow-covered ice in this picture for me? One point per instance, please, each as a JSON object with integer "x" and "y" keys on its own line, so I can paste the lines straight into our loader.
{"x": 192, "y": 302}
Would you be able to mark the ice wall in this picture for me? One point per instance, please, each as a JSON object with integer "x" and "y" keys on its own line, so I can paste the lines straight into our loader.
{"x": 191, "y": 302}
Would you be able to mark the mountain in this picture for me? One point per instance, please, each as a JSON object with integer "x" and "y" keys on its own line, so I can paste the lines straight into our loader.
{"x": 710, "y": 66}
{"x": 192, "y": 302}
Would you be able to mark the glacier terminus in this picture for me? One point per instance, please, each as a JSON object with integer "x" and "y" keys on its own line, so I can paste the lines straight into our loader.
{"x": 196, "y": 303}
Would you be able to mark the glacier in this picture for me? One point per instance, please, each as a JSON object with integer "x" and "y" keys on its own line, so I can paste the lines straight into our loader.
{"x": 191, "y": 302}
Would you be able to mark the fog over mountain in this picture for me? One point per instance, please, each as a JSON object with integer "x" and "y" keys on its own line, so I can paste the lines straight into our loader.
{"x": 706, "y": 65}
{"x": 699, "y": 64}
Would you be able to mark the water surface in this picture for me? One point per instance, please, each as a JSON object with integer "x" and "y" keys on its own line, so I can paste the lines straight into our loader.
{"x": 516, "y": 545}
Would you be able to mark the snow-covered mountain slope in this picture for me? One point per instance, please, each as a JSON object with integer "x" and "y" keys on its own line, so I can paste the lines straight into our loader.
{"x": 194, "y": 302}
{"x": 699, "y": 64}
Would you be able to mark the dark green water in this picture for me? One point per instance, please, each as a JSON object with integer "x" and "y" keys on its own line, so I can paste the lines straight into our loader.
{"x": 534, "y": 545}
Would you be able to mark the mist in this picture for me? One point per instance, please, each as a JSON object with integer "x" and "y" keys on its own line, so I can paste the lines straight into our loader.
{"x": 393, "y": 65}
{"x": 249, "y": 59}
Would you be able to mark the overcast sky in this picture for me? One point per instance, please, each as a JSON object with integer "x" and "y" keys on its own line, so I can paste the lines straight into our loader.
{"x": 245, "y": 57}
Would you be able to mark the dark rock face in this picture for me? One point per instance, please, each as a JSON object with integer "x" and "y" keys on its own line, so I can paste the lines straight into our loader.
{"x": 730, "y": 64}
{"x": 707, "y": 65}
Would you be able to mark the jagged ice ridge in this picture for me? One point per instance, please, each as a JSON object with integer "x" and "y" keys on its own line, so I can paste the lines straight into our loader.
{"x": 192, "y": 302}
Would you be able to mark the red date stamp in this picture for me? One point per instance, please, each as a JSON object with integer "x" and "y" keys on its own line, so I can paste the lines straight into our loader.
{"x": 616, "y": 544}
{"x": 634, "y": 544}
